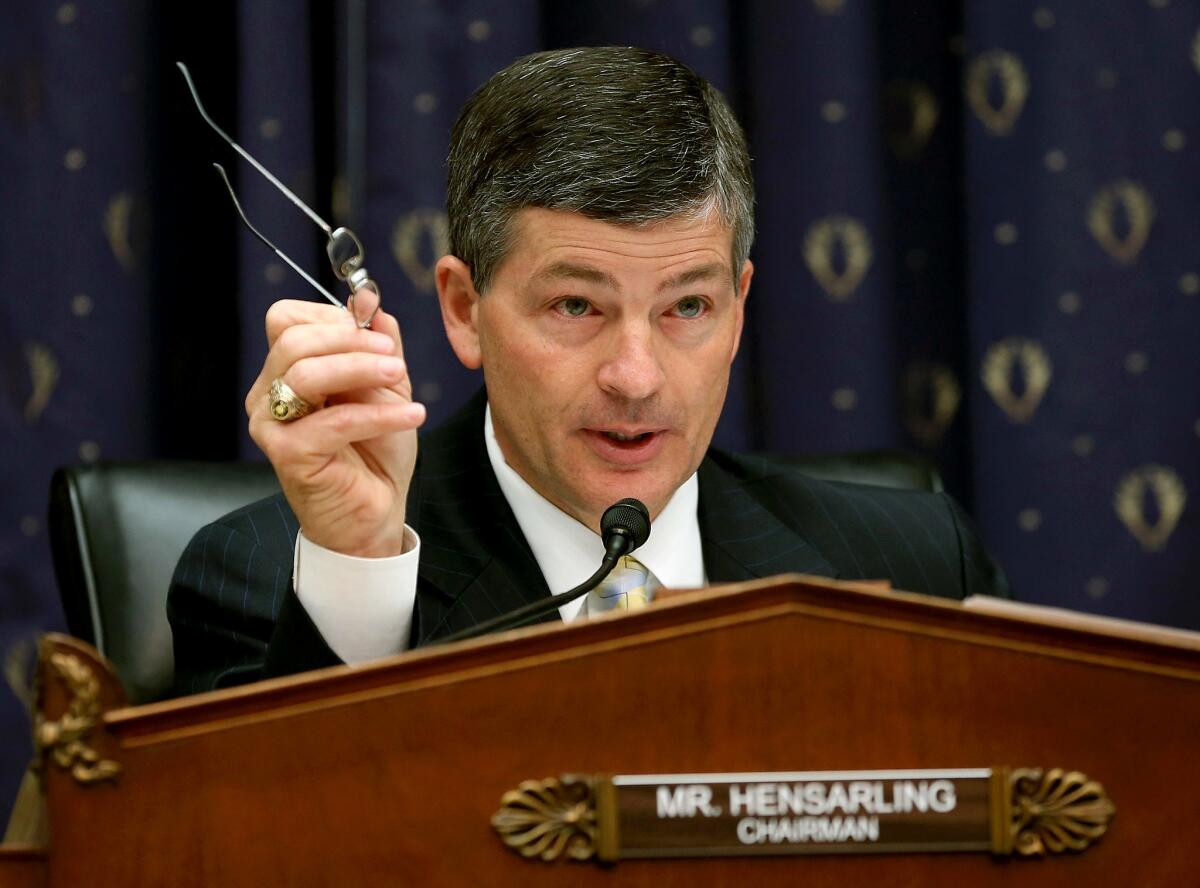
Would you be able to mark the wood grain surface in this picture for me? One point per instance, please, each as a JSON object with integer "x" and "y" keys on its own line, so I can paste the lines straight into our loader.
{"x": 389, "y": 774}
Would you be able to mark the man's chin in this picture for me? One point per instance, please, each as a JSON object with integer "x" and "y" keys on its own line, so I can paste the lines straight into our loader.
{"x": 600, "y": 482}
{"x": 651, "y": 492}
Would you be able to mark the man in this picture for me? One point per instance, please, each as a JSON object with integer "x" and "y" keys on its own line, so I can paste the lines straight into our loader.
{"x": 600, "y": 205}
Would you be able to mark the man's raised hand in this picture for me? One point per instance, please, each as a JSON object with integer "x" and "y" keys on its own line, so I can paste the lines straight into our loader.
{"x": 346, "y": 467}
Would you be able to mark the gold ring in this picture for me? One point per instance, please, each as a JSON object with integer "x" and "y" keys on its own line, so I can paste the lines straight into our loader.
{"x": 285, "y": 404}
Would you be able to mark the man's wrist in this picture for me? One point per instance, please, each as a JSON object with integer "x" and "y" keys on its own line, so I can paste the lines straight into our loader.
{"x": 361, "y": 606}
{"x": 391, "y": 547}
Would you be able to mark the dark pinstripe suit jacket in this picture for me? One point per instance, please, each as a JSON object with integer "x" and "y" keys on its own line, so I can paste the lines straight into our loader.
{"x": 236, "y": 619}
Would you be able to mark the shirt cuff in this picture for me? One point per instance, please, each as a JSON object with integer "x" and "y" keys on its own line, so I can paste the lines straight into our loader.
{"x": 363, "y": 607}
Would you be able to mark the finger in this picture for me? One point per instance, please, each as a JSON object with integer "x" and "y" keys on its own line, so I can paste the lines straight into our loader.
{"x": 306, "y": 340}
{"x": 364, "y": 302}
{"x": 317, "y": 378}
{"x": 290, "y": 312}
{"x": 318, "y": 435}
{"x": 388, "y": 325}
{"x": 311, "y": 340}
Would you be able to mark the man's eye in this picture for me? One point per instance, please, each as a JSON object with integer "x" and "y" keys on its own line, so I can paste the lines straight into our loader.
{"x": 690, "y": 307}
{"x": 574, "y": 307}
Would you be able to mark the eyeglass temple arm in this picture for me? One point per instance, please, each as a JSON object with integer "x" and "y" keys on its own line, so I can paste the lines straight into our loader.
{"x": 278, "y": 252}
{"x": 287, "y": 192}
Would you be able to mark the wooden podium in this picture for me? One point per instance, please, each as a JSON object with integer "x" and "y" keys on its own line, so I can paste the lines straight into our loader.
{"x": 392, "y": 773}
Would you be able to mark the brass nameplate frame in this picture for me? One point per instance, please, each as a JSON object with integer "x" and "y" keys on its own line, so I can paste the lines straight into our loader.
{"x": 1023, "y": 811}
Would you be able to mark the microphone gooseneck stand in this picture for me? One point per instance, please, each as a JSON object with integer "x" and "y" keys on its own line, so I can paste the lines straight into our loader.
{"x": 624, "y": 526}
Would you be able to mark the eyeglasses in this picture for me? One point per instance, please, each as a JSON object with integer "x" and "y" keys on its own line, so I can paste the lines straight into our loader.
{"x": 343, "y": 247}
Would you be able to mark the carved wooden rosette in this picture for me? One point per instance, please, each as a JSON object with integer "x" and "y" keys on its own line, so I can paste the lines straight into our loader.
{"x": 73, "y": 690}
{"x": 572, "y": 816}
{"x": 1038, "y": 812}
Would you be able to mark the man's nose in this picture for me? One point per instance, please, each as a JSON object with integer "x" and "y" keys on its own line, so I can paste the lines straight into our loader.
{"x": 632, "y": 370}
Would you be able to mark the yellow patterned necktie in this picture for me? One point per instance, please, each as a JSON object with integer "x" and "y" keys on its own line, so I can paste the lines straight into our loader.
{"x": 629, "y": 586}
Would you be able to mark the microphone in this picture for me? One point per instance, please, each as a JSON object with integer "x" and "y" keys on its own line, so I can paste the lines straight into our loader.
{"x": 624, "y": 526}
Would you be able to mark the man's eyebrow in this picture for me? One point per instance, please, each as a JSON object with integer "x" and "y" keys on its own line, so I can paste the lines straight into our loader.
{"x": 573, "y": 271}
{"x": 712, "y": 271}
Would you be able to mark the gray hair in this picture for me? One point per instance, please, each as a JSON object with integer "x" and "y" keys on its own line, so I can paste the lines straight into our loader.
{"x": 618, "y": 134}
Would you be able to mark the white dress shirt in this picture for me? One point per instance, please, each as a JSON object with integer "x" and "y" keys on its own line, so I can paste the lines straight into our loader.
{"x": 363, "y": 606}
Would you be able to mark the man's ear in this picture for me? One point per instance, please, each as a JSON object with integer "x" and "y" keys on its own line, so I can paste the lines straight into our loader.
{"x": 743, "y": 290}
{"x": 460, "y": 304}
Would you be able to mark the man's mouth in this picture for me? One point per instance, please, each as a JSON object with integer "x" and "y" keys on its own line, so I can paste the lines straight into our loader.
{"x": 626, "y": 446}
{"x": 624, "y": 438}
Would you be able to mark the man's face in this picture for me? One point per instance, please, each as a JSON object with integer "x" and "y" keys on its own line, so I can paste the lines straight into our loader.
{"x": 606, "y": 352}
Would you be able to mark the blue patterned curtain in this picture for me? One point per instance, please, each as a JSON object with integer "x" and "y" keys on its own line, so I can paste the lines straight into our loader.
{"x": 1084, "y": 291}
{"x": 977, "y": 227}
{"x": 76, "y": 331}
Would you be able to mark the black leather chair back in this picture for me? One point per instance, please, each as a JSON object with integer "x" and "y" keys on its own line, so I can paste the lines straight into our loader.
{"x": 118, "y": 529}
{"x": 116, "y": 532}
{"x": 881, "y": 468}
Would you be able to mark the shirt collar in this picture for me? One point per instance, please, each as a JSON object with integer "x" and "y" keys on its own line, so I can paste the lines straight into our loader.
{"x": 568, "y": 552}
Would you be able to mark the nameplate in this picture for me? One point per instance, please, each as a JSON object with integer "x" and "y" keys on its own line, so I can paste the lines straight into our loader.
{"x": 1025, "y": 812}
{"x": 803, "y": 813}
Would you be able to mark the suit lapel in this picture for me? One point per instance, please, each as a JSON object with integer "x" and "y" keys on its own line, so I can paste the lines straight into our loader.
{"x": 741, "y": 538}
{"x": 475, "y": 563}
